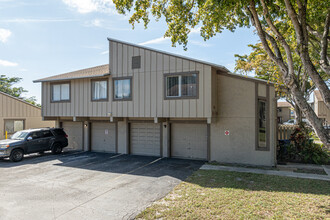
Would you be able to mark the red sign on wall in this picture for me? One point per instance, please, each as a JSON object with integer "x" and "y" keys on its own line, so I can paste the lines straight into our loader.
{"x": 227, "y": 132}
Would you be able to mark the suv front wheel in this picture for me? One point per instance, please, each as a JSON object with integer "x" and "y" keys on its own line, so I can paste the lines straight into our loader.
{"x": 16, "y": 155}
{"x": 57, "y": 148}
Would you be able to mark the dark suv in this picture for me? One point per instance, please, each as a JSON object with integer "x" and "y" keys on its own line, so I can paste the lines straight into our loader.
{"x": 33, "y": 141}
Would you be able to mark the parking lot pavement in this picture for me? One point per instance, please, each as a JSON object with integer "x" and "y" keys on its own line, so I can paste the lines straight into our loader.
{"x": 87, "y": 185}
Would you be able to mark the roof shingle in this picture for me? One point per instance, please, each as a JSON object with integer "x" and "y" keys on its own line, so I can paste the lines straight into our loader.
{"x": 96, "y": 71}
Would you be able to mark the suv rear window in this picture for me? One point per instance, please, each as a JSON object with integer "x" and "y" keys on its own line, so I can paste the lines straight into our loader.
{"x": 59, "y": 132}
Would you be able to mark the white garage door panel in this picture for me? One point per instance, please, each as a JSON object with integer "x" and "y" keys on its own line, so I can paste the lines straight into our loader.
{"x": 74, "y": 130}
{"x": 145, "y": 139}
{"x": 189, "y": 141}
{"x": 103, "y": 137}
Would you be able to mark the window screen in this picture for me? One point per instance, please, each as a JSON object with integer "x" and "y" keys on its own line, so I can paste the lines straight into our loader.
{"x": 100, "y": 90}
{"x": 181, "y": 85}
{"x": 61, "y": 92}
{"x": 122, "y": 89}
{"x": 12, "y": 126}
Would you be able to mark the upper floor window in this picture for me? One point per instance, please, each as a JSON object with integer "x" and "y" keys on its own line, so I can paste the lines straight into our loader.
{"x": 99, "y": 90}
{"x": 181, "y": 85}
{"x": 123, "y": 89}
{"x": 61, "y": 92}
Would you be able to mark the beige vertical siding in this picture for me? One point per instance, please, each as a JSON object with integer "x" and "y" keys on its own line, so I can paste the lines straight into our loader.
{"x": 12, "y": 108}
{"x": 148, "y": 84}
{"x": 147, "y": 88}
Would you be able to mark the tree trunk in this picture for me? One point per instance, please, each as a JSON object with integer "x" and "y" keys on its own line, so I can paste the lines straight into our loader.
{"x": 310, "y": 115}
{"x": 297, "y": 115}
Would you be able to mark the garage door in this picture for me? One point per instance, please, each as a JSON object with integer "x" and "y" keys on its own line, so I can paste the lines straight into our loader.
{"x": 145, "y": 139}
{"x": 103, "y": 137}
{"x": 189, "y": 141}
{"x": 74, "y": 130}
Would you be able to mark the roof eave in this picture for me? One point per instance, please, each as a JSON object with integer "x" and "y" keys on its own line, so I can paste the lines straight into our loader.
{"x": 72, "y": 78}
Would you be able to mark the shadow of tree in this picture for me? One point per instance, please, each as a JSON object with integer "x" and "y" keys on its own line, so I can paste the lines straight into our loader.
{"x": 258, "y": 182}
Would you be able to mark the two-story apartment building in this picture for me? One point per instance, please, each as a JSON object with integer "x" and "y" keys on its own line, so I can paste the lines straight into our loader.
{"x": 150, "y": 102}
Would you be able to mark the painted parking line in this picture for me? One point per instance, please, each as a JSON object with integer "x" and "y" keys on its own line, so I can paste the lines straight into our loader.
{"x": 109, "y": 190}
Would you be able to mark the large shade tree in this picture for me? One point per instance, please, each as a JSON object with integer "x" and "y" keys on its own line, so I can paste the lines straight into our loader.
{"x": 7, "y": 86}
{"x": 288, "y": 30}
{"x": 259, "y": 63}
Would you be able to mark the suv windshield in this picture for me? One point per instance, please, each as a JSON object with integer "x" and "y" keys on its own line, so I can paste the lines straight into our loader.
{"x": 20, "y": 135}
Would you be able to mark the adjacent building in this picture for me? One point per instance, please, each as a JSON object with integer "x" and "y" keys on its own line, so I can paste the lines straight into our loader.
{"x": 154, "y": 103}
{"x": 321, "y": 110}
{"x": 284, "y": 112}
{"x": 16, "y": 115}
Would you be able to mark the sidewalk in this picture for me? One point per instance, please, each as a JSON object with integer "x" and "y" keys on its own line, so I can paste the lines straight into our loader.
{"x": 270, "y": 172}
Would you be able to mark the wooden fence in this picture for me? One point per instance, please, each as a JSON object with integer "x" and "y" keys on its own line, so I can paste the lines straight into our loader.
{"x": 285, "y": 131}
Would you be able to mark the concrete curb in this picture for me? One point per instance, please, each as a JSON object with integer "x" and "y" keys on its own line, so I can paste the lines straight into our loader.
{"x": 267, "y": 172}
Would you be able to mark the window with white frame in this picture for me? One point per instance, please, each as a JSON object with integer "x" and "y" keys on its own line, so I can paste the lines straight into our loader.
{"x": 61, "y": 92}
{"x": 181, "y": 86}
{"x": 122, "y": 89}
{"x": 99, "y": 90}
{"x": 13, "y": 125}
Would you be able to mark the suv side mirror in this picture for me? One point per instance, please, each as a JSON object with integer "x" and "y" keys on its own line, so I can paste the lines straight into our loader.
{"x": 29, "y": 138}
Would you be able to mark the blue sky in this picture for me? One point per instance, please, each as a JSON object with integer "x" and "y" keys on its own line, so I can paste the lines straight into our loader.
{"x": 44, "y": 38}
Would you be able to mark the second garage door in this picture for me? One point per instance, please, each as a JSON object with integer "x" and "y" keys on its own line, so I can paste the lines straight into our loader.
{"x": 145, "y": 139}
{"x": 74, "y": 130}
{"x": 103, "y": 137}
{"x": 189, "y": 141}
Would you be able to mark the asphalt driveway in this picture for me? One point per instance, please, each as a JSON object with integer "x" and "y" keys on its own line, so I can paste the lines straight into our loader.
{"x": 85, "y": 185}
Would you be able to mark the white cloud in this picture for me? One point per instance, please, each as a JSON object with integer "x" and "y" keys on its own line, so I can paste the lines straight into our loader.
{"x": 97, "y": 23}
{"x": 155, "y": 41}
{"x": 4, "y": 35}
{"x": 35, "y": 20}
{"x": 200, "y": 43}
{"x": 87, "y": 6}
{"x": 7, "y": 63}
{"x": 105, "y": 52}
{"x": 195, "y": 30}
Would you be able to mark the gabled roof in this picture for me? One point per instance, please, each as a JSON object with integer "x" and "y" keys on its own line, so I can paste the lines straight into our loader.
{"x": 318, "y": 95}
{"x": 284, "y": 104}
{"x": 216, "y": 66}
{"x": 103, "y": 70}
{"x": 97, "y": 71}
{"x": 18, "y": 99}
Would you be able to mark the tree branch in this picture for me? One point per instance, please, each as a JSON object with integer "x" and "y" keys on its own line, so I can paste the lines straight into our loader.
{"x": 324, "y": 46}
{"x": 256, "y": 22}
{"x": 279, "y": 37}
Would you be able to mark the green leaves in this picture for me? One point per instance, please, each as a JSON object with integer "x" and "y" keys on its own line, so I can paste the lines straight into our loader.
{"x": 6, "y": 86}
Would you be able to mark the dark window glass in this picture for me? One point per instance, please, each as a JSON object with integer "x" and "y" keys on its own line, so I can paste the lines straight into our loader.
{"x": 189, "y": 85}
{"x": 122, "y": 89}
{"x": 262, "y": 123}
{"x": 36, "y": 135}
{"x": 47, "y": 134}
{"x": 59, "y": 132}
{"x": 181, "y": 86}
{"x": 172, "y": 86}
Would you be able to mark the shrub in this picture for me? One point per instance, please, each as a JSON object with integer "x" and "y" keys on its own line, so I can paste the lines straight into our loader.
{"x": 304, "y": 150}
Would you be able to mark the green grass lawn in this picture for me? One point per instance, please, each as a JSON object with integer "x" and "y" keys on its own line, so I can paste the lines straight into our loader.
{"x": 231, "y": 195}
